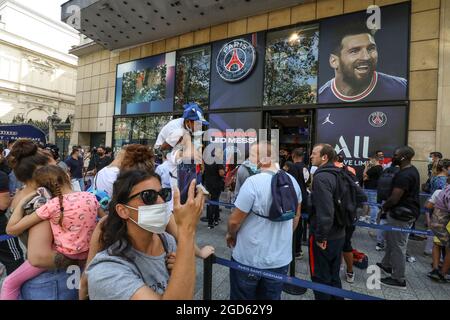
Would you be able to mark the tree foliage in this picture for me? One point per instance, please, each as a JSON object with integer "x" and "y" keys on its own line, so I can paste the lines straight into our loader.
{"x": 193, "y": 78}
{"x": 291, "y": 69}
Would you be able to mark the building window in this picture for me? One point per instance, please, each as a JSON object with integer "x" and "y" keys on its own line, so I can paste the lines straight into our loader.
{"x": 142, "y": 130}
{"x": 291, "y": 66}
{"x": 193, "y": 77}
{"x": 144, "y": 85}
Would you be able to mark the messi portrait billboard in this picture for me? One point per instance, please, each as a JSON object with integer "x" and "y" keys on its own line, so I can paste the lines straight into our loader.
{"x": 372, "y": 129}
{"x": 146, "y": 85}
{"x": 363, "y": 56}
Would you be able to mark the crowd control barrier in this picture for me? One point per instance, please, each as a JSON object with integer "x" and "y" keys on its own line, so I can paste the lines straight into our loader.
{"x": 293, "y": 281}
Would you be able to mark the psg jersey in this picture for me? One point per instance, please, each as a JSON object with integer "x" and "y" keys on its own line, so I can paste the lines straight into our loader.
{"x": 382, "y": 88}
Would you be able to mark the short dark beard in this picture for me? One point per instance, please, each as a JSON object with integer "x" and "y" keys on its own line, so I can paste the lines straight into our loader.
{"x": 358, "y": 85}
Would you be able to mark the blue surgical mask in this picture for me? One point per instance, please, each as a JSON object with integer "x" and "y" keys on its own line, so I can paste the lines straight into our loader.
{"x": 253, "y": 167}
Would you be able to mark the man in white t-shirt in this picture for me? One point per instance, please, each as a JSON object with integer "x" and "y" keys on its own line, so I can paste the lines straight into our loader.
{"x": 255, "y": 240}
{"x": 178, "y": 135}
{"x": 173, "y": 132}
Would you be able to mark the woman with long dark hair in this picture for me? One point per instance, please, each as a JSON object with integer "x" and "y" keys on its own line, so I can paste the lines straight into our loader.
{"x": 25, "y": 158}
{"x": 135, "y": 245}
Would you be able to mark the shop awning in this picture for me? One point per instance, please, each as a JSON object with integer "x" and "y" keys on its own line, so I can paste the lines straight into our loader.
{"x": 18, "y": 131}
{"x": 123, "y": 23}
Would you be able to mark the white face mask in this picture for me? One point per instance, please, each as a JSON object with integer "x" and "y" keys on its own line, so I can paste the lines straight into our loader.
{"x": 153, "y": 218}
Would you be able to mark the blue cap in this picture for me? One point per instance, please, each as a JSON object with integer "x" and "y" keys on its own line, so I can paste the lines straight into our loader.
{"x": 192, "y": 111}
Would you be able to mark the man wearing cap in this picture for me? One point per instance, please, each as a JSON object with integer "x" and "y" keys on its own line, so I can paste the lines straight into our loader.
{"x": 183, "y": 135}
{"x": 172, "y": 133}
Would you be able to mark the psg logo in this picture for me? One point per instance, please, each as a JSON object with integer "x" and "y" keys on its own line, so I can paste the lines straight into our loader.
{"x": 378, "y": 119}
{"x": 235, "y": 60}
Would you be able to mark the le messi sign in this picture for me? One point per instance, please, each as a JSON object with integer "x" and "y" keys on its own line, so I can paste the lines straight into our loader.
{"x": 359, "y": 132}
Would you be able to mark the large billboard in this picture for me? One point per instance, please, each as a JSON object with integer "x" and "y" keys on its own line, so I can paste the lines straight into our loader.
{"x": 363, "y": 57}
{"x": 237, "y": 72}
{"x": 146, "y": 85}
{"x": 359, "y": 132}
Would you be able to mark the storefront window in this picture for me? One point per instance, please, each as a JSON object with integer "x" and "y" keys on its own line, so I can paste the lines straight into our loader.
{"x": 291, "y": 66}
{"x": 144, "y": 85}
{"x": 143, "y": 130}
{"x": 193, "y": 77}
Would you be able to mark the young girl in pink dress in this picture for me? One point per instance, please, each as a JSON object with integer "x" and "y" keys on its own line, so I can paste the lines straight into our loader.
{"x": 72, "y": 218}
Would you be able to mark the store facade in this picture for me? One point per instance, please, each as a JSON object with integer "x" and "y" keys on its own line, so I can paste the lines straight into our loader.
{"x": 323, "y": 71}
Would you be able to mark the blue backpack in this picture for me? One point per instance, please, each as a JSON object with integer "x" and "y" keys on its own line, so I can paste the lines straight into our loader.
{"x": 102, "y": 196}
{"x": 284, "y": 198}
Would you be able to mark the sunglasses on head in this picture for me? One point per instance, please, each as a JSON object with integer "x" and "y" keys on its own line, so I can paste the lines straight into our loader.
{"x": 149, "y": 196}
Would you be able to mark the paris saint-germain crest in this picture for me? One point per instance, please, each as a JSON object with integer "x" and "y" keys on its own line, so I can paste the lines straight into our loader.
{"x": 235, "y": 60}
{"x": 378, "y": 119}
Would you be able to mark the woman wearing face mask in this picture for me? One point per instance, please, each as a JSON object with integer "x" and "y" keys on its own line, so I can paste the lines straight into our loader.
{"x": 440, "y": 173}
{"x": 132, "y": 264}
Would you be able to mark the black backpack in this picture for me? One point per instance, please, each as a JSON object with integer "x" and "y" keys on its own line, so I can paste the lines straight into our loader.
{"x": 347, "y": 198}
{"x": 384, "y": 186}
{"x": 284, "y": 198}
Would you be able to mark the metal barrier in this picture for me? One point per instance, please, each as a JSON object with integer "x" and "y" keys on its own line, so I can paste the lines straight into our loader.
{"x": 207, "y": 280}
{"x": 358, "y": 223}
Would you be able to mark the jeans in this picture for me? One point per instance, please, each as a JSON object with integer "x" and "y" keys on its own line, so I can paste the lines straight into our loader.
{"x": 50, "y": 285}
{"x": 81, "y": 182}
{"x": 381, "y": 233}
{"x": 372, "y": 199}
{"x": 325, "y": 265}
{"x": 212, "y": 211}
{"x": 248, "y": 286}
{"x": 396, "y": 243}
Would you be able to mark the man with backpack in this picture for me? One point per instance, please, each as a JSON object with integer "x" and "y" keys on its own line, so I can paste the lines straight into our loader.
{"x": 402, "y": 208}
{"x": 384, "y": 190}
{"x": 248, "y": 168}
{"x": 260, "y": 228}
{"x": 334, "y": 199}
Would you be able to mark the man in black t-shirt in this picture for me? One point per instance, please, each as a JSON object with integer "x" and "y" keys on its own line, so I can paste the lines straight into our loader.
{"x": 11, "y": 255}
{"x": 402, "y": 207}
{"x": 75, "y": 164}
{"x": 102, "y": 159}
{"x": 298, "y": 172}
{"x": 213, "y": 179}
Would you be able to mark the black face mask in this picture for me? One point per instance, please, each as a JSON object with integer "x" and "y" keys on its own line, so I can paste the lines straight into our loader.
{"x": 396, "y": 161}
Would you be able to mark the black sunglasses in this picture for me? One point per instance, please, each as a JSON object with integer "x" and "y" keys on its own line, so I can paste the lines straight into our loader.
{"x": 149, "y": 196}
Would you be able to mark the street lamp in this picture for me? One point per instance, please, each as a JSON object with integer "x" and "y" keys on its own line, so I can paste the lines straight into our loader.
{"x": 53, "y": 120}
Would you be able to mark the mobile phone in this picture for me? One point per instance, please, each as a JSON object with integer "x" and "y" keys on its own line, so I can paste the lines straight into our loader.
{"x": 185, "y": 174}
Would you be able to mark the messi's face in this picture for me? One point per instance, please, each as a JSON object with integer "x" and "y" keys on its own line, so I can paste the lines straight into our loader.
{"x": 358, "y": 59}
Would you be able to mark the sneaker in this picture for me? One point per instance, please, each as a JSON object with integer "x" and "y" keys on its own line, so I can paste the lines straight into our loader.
{"x": 379, "y": 246}
{"x": 211, "y": 226}
{"x": 392, "y": 283}
{"x": 350, "y": 277}
{"x": 299, "y": 255}
{"x": 435, "y": 275}
{"x": 216, "y": 223}
{"x": 410, "y": 258}
{"x": 446, "y": 278}
{"x": 386, "y": 270}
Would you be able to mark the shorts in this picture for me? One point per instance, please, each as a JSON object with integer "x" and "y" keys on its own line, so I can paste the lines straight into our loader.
{"x": 436, "y": 241}
{"x": 348, "y": 239}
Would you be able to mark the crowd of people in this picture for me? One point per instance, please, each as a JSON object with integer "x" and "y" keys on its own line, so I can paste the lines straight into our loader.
{"x": 129, "y": 223}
